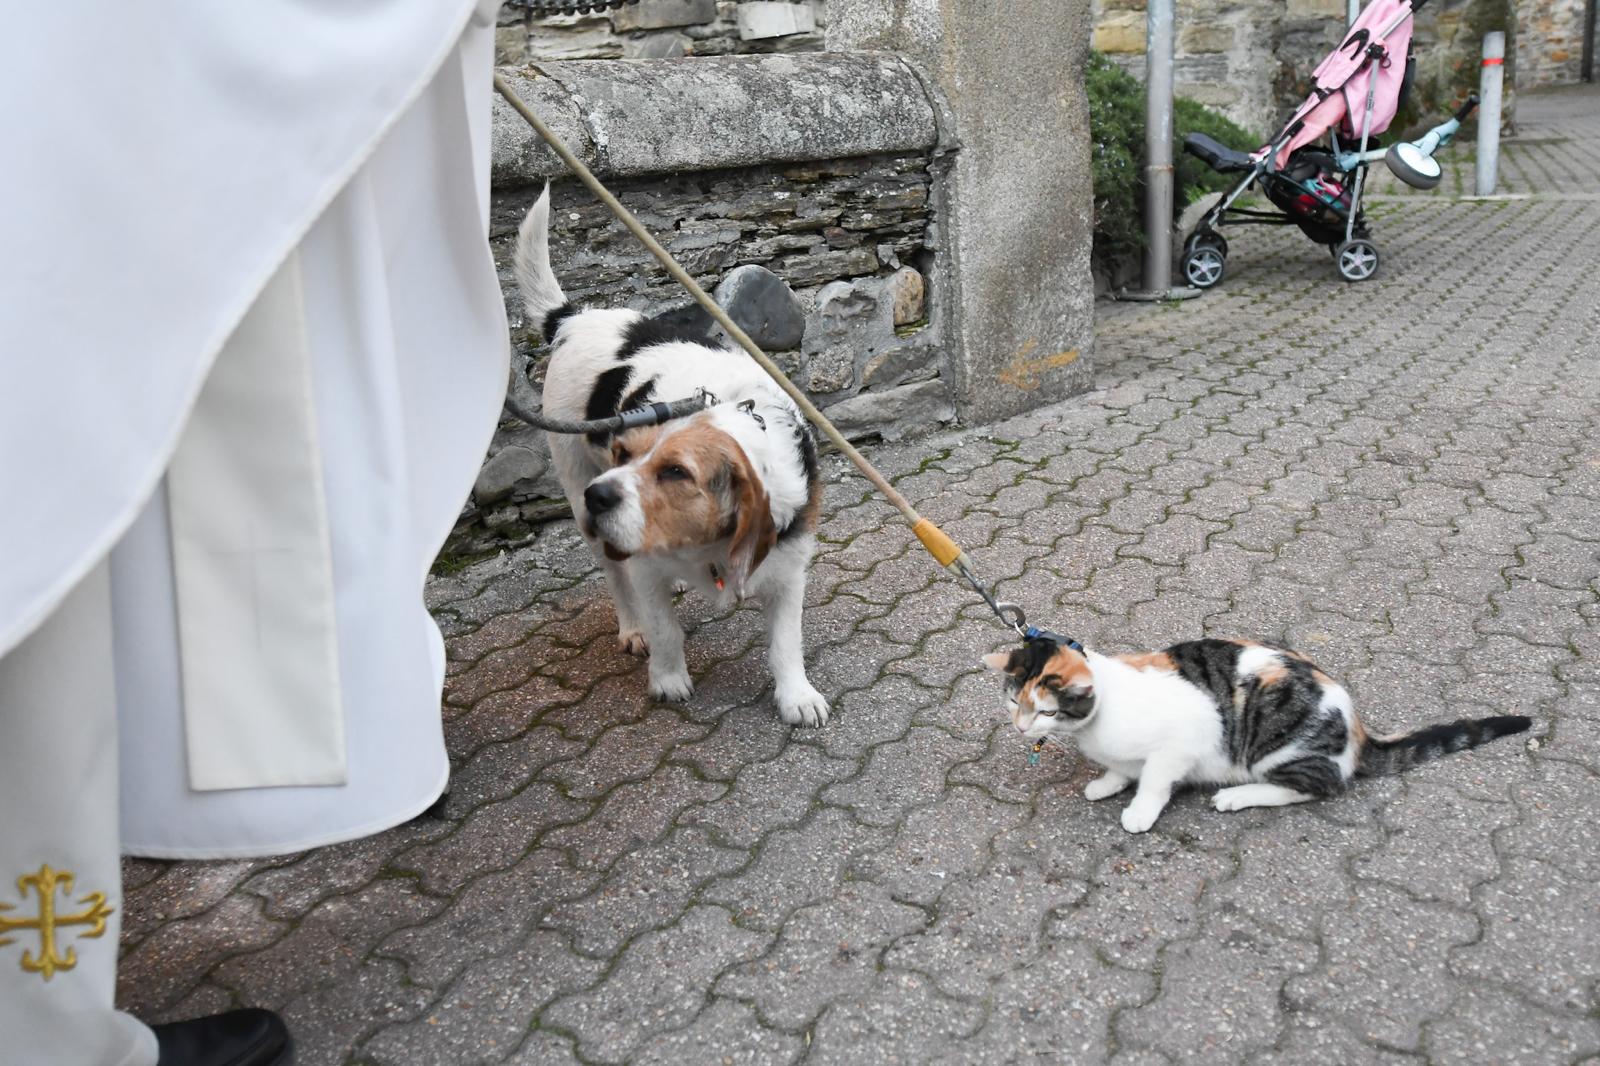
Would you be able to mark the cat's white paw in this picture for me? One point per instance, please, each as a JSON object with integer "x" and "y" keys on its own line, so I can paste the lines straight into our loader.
{"x": 1136, "y": 819}
{"x": 1229, "y": 799}
{"x": 674, "y": 687}
{"x": 802, "y": 705}
{"x": 1105, "y": 786}
{"x": 1256, "y": 794}
{"x": 633, "y": 643}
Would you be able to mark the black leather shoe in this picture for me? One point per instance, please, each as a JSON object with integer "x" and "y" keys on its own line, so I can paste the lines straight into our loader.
{"x": 250, "y": 1037}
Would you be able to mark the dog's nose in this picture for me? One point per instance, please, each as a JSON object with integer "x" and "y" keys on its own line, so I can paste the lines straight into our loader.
{"x": 601, "y": 496}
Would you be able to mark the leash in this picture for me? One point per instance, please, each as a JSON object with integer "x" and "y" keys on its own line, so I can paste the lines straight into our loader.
{"x": 945, "y": 551}
{"x": 651, "y": 414}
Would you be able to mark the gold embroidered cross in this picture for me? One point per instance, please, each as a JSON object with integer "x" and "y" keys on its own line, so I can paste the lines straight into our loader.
{"x": 45, "y": 882}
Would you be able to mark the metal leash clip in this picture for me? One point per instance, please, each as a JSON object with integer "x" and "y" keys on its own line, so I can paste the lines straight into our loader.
{"x": 749, "y": 408}
{"x": 1010, "y": 614}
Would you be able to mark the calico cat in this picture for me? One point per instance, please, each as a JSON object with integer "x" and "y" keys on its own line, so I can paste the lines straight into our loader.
{"x": 1259, "y": 718}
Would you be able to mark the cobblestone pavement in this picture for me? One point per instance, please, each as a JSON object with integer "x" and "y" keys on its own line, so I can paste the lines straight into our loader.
{"x": 1399, "y": 477}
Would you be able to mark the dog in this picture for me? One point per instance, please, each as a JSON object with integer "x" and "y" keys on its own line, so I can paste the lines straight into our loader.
{"x": 724, "y": 501}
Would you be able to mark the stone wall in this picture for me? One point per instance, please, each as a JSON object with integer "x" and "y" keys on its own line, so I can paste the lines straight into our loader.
{"x": 663, "y": 29}
{"x": 822, "y": 245}
{"x": 1240, "y": 57}
{"x": 1549, "y": 42}
{"x": 1252, "y": 59}
{"x": 1015, "y": 203}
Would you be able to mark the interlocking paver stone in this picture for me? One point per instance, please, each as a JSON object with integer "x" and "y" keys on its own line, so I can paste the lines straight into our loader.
{"x": 485, "y": 1015}
{"x": 660, "y": 982}
{"x": 1400, "y": 478}
{"x": 902, "y": 1020}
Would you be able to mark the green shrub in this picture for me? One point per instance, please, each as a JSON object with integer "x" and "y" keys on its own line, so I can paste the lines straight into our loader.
{"x": 1116, "y": 127}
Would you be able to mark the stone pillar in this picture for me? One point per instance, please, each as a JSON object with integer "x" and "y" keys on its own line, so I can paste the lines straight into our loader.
{"x": 1017, "y": 202}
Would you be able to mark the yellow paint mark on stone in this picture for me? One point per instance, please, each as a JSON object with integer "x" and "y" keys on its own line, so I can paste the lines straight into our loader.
{"x": 1028, "y": 374}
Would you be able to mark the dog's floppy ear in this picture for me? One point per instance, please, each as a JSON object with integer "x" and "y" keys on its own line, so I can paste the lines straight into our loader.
{"x": 754, "y": 533}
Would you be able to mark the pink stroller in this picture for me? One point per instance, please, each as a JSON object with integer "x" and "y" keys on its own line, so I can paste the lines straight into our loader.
{"x": 1355, "y": 93}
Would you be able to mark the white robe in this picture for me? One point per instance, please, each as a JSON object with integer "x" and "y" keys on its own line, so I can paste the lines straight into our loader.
{"x": 340, "y": 148}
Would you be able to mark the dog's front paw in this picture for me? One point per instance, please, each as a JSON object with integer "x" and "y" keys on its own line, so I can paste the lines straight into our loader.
{"x": 1137, "y": 819}
{"x": 632, "y": 642}
{"x": 802, "y": 705}
{"x": 674, "y": 687}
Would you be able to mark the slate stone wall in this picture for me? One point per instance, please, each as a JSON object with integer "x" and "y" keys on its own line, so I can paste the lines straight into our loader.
{"x": 908, "y": 261}
{"x": 663, "y": 29}
{"x": 831, "y": 264}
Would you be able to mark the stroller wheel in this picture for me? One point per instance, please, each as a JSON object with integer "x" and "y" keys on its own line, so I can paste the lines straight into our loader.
{"x": 1205, "y": 261}
{"x": 1357, "y": 259}
{"x": 1207, "y": 236}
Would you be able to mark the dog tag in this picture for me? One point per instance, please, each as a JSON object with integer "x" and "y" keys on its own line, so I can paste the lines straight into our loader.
{"x": 1033, "y": 754}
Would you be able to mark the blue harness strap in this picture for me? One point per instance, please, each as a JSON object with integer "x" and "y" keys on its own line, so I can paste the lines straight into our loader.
{"x": 1035, "y": 633}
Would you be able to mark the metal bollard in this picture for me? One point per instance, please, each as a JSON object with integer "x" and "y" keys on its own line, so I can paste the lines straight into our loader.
{"x": 1490, "y": 80}
{"x": 1159, "y": 32}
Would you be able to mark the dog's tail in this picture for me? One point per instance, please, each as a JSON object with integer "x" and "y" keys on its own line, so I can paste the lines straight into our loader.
{"x": 1391, "y": 755}
{"x": 542, "y": 297}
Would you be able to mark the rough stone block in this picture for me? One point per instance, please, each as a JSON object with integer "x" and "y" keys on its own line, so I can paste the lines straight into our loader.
{"x": 569, "y": 37}
{"x": 852, "y": 321}
{"x": 1120, "y": 32}
{"x": 657, "y": 46}
{"x": 662, "y": 116}
{"x": 764, "y": 306}
{"x": 511, "y": 45}
{"x": 662, "y": 14}
{"x": 760, "y": 19}
{"x": 1211, "y": 95}
{"x": 908, "y": 292}
{"x": 505, "y": 469}
{"x": 1205, "y": 38}
{"x": 898, "y": 366}
{"x": 894, "y": 413}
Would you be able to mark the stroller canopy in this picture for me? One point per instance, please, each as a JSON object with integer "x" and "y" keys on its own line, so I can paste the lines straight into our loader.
{"x": 1340, "y": 82}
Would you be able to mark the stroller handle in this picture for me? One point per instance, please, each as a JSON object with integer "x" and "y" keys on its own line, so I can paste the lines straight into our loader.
{"x": 1466, "y": 108}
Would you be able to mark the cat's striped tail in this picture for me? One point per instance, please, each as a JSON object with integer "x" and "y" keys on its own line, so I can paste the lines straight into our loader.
{"x": 1391, "y": 755}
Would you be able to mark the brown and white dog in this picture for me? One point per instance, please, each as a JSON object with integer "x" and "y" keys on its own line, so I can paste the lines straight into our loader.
{"x": 724, "y": 501}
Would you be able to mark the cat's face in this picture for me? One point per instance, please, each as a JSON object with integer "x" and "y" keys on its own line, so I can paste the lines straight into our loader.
{"x": 1049, "y": 688}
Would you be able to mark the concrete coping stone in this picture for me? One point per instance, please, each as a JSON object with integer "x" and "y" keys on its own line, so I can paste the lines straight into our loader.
{"x": 654, "y": 116}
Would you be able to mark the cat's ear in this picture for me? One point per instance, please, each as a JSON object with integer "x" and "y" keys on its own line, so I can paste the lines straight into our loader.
{"x": 997, "y": 660}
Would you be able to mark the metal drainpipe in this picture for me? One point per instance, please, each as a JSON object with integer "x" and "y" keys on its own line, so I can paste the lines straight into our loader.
{"x": 1159, "y": 33}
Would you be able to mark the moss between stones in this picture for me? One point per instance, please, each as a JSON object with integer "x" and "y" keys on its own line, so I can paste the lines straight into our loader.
{"x": 1116, "y": 127}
